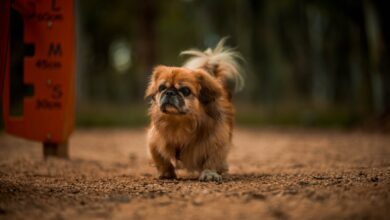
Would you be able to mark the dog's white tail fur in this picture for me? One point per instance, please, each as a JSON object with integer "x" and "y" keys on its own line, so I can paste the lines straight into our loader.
{"x": 222, "y": 62}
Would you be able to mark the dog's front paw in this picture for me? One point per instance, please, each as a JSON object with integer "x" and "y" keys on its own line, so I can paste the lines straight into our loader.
{"x": 210, "y": 175}
{"x": 167, "y": 175}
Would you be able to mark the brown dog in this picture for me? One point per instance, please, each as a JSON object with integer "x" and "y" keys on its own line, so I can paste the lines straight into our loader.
{"x": 192, "y": 113}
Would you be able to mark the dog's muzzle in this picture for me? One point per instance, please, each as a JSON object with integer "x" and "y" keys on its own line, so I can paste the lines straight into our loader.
{"x": 171, "y": 98}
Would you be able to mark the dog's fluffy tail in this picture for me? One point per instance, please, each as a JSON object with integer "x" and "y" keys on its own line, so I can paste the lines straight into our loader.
{"x": 221, "y": 62}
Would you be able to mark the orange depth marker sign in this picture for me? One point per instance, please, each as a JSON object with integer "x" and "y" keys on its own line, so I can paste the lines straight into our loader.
{"x": 48, "y": 115}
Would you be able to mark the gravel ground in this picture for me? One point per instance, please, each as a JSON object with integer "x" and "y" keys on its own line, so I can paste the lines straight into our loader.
{"x": 274, "y": 174}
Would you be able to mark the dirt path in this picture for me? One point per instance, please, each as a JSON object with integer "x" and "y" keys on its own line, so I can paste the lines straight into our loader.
{"x": 280, "y": 174}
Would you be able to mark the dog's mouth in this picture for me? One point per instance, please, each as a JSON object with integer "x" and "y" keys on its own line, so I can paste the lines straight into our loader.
{"x": 169, "y": 108}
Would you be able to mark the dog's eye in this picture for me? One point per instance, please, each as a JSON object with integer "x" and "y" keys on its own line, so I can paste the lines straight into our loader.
{"x": 185, "y": 91}
{"x": 161, "y": 88}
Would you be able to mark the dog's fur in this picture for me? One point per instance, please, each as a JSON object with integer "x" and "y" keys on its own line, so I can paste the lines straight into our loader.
{"x": 192, "y": 114}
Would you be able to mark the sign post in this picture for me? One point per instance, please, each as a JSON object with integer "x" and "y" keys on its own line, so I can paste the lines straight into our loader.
{"x": 46, "y": 61}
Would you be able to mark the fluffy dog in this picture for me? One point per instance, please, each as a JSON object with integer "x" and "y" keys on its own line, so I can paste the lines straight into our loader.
{"x": 192, "y": 113}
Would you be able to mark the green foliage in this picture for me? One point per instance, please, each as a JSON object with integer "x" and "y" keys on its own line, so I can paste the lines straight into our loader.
{"x": 111, "y": 116}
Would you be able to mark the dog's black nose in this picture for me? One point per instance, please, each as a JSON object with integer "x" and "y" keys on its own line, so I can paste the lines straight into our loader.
{"x": 170, "y": 93}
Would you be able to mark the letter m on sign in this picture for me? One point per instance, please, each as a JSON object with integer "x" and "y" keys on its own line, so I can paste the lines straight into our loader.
{"x": 55, "y": 49}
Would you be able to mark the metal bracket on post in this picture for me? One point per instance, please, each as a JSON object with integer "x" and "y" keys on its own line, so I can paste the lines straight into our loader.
{"x": 56, "y": 150}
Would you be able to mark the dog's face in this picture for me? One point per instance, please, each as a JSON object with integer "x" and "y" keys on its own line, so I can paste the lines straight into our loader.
{"x": 180, "y": 91}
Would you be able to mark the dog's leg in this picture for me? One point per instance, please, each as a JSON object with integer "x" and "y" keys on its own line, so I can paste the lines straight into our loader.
{"x": 212, "y": 169}
{"x": 164, "y": 167}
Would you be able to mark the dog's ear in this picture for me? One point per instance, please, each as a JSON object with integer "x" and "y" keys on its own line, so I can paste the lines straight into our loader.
{"x": 210, "y": 89}
{"x": 152, "y": 87}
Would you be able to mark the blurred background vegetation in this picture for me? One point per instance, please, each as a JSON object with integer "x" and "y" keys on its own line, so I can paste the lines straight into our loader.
{"x": 308, "y": 62}
{"x": 315, "y": 63}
